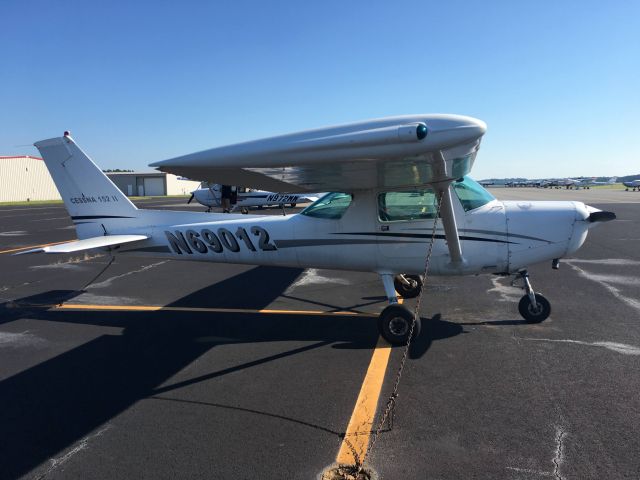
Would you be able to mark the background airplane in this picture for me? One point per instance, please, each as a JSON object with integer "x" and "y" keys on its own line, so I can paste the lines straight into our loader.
{"x": 568, "y": 183}
{"x": 633, "y": 184}
{"x": 210, "y": 195}
{"x": 586, "y": 182}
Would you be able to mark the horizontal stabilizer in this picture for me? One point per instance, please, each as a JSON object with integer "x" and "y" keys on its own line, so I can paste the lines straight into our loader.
{"x": 87, "y": 244}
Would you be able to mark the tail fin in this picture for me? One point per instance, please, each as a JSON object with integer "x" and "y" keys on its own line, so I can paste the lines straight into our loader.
{"x": 87, "y": 192}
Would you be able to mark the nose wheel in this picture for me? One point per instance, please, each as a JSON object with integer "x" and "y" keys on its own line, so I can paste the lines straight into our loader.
{"x": 408, "y": 286}
{"x": 534, "y": 314}
{"x": 533, "y": 307}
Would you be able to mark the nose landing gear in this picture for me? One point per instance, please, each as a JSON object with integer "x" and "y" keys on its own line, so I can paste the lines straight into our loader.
{"x": 533, "y": 307}
{"x": 408, "y": 286}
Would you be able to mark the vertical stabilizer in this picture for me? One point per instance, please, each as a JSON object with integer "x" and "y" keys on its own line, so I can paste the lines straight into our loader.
{"x": 87, "y": 192}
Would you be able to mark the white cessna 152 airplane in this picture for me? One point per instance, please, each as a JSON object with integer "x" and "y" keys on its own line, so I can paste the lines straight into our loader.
{"x": 393, "y": 171}
{"x": 210, "y": 195}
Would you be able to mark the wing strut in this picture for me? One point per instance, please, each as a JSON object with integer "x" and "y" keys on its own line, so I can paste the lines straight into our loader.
{"x": 450, "y": 226}
{"x": 447, "y": 213}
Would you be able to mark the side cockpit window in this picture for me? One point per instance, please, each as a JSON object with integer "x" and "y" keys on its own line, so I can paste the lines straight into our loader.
{"x": 332, "y": 206}
{"x": 410, "y": 205}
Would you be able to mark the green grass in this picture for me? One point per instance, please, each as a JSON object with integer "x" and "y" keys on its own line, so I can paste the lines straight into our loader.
{"x": 33, "y": 202}
{"x": 615, "y": 186}
{"x": 59, "y": 202}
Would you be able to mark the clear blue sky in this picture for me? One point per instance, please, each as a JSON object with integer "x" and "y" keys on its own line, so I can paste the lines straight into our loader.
{"x": 558, "y": 82}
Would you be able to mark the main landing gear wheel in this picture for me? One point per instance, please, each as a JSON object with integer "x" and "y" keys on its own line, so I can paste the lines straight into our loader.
{"x": 534, "y": 315}
{"x": 394, "y": 324}
{"x": 408, "y": 286}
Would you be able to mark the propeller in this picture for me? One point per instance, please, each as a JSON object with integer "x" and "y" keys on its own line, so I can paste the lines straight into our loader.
{"x": 190, "y": 199}
{"x": 601, "y": 216}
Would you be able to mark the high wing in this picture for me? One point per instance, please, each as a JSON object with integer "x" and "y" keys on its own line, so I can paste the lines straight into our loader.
{"x": 400, "y": 151}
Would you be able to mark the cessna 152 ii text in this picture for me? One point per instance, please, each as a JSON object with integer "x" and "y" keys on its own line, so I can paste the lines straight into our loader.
{"x": 210, "y": 195}
{"x": 391, "y": 179}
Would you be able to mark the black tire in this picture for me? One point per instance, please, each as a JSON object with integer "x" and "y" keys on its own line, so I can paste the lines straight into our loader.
{"x": 293, "y": 205}
{"x": 406, "y": 291}
{"x": 534, "y": 316}
{"x": 394, "y": 324}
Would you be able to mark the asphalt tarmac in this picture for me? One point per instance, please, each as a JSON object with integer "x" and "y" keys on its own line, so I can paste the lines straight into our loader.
{"x": 242, "y": 378}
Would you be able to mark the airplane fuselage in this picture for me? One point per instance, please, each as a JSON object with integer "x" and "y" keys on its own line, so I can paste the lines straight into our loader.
{"x": 407, "y": 191}
{"x": 498, "y": 237}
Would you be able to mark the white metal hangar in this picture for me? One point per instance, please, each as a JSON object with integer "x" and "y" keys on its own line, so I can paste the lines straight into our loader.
{"x": 24, "y": 178}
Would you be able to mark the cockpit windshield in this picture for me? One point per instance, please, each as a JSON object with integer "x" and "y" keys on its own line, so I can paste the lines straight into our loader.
{"x": 332, "y": 205}
{"x": 471, "y": 194}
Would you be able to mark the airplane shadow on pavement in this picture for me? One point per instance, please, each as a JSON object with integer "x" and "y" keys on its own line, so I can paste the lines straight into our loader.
{"x": 49, "y": 407}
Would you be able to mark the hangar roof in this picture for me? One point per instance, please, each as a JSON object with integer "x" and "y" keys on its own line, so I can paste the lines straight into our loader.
{"x": 6, "y": 157}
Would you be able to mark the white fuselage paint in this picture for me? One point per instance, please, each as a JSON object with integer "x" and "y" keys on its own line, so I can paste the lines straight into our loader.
{"x": 496, "y": 238}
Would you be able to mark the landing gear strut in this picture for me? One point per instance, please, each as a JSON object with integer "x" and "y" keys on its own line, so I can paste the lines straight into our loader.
{"x": 394, "y": 323}
{"x": 533, "y": 307}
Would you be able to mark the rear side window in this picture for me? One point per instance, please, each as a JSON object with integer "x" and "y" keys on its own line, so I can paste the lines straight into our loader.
{"x": 412, "y": 205}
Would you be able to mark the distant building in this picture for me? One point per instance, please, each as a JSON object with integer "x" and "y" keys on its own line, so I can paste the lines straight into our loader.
{"x": 24, "y": 178}
{"x": 151, "y": 184}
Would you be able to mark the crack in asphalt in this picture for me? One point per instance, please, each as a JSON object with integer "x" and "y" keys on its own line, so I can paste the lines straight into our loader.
{"x": 558, "y": 459}
{"x": 109, "y": 281}
{"x": 632, "y": 302}
{"x": 56, "y": 462}
{"x": 622, "y": 348}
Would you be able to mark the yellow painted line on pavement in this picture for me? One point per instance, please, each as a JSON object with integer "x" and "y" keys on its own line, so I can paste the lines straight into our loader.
{"x": 34, "y": 246}
{"x": 158, "y": 308}
{"x": 356, "y": 438}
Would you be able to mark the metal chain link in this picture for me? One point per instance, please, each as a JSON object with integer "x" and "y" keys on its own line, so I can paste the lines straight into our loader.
{"x": 391, "y": 402}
